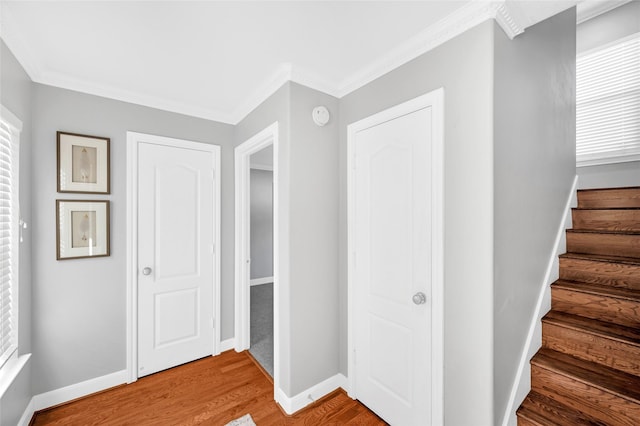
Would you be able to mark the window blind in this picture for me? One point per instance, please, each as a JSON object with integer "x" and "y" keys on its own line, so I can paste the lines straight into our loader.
{"x": 8, "y": 238}
{"x": 608, "y": 103}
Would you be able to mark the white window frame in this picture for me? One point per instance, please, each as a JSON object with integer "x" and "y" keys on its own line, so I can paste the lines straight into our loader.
{"x": 14, "y": 126}
{"x": 623, "y": 96}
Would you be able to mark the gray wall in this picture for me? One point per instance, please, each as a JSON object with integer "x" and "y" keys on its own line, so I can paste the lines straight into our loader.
{"x": 78, "y": 314}
{"x": 613, "y": 25}
{"x": 308, "y": 216}
{"x": 261, "y": 206}
{"x": 534, "y": 167}
{"x": 464, "y": 67}
{"x": 609, "y": 175}
{"x": 15, "y": 95}
{"x": 313, "y": 222}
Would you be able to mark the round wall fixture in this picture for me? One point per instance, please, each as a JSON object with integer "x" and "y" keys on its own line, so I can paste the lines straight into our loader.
{"x": 320, "y": 115}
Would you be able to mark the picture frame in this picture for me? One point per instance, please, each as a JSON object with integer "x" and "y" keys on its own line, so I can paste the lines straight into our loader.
{"x": 82, "y": 229}
{"x": 83, "y": 163}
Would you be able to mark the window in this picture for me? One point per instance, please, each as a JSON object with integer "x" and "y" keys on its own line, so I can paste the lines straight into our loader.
{"x": 9, "y": 217}
{"x": 608, "y": 103}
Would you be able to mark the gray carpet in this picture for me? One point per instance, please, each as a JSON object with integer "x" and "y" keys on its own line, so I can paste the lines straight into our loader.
{"x": 262, "y": 325}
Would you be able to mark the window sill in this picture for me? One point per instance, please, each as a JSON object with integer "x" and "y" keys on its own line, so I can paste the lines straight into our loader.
{"x": 10, "y": 371}
{"x": 610, "y": 160}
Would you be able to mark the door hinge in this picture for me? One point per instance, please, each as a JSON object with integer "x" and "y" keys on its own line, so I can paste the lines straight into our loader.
{"x": 212, "y": 248}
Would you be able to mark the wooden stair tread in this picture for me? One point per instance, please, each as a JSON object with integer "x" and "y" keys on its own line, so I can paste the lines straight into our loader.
{"x": 603, "y": 231}
{"x": 602, "y": 258}
{"x": 598, "y": 290}
{"x": 544, "y": 411}
{"x": 604, "y": 329}
{"x": 609, "y": 197}
{"x": 617, "y": 188}
{"x": 607, "y": 379}
{"x": 605, "y": 208}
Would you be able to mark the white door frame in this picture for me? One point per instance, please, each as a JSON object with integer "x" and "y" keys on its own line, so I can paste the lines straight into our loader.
{"x": 263, "y": 139}
{"x": 434, "y": 100}
{"x": 133, "y": 141}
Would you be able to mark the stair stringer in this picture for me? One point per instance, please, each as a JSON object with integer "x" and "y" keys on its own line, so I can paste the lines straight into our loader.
{"x": 522, "y": 380}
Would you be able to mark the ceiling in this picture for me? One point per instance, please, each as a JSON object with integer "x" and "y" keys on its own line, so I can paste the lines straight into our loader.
{"x": 218, "y": 60}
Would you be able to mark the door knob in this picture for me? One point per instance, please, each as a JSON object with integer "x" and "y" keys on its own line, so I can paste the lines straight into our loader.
{"x": 419, "y": 298}
{"x": 147, "y": 271}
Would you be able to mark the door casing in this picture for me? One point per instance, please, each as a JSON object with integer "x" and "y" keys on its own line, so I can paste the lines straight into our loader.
{"x": 263, "y": 139}
{"x": 133, "y": 140}
{"x": 435, "y": 100}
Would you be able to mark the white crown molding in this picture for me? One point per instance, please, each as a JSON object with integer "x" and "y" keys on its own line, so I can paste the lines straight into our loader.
{"x": 79, "y": 85}
{"x": 314, "y": 81}
{"x": 269, "y": 86}
{"x": 463, "y": 19}
{"x": 588, "y": 9}
{"x": 264, "y": 167}
{"x": 506, "y": 18}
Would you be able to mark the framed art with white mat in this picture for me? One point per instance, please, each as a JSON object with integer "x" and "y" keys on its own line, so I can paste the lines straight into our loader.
{"x": 83, "y": 163}
{"x": 82, "y": 229}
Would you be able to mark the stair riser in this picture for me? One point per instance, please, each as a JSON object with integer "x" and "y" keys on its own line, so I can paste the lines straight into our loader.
{"x": 609, "y": 198}
{"x": 614, "y": 274}
{"x": 605, "y": 308}
{"x": 607, "y": 220}
{"x": 604, "y": 244}
{"x": 602, "y": 405}
{"x": 592, "y": 347}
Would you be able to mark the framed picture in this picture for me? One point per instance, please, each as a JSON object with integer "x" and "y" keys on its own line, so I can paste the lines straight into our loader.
{"x": 82, "y": 229}
{"x": 83, "y": 163}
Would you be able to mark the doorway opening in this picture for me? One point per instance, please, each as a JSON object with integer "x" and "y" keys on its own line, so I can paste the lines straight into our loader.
{"x": 261, "y": 257}
{"x": 256, "y": 249}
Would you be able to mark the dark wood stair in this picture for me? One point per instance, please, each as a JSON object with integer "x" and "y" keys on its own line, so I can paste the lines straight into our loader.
{"x": 588, "y": 369}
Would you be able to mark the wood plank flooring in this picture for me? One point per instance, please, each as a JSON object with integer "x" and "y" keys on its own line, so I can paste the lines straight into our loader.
{"x": 210, "y": 391}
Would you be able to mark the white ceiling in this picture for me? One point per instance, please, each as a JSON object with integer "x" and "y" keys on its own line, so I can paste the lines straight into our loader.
{"x": 218, "y": 60}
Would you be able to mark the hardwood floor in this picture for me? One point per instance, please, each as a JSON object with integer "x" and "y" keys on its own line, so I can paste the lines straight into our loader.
{"x": 210, "y": 391}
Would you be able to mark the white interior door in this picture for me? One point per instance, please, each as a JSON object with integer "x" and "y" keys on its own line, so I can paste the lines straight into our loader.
{"x": 391, "y": 277}
{"x": 176, "y": 261}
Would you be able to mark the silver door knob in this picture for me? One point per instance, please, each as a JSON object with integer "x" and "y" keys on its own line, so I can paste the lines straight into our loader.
{"x": 419, "y": 298}
{"x": 146, "y": 271}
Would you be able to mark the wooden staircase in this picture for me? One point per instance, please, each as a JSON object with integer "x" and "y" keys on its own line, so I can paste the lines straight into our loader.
{"x": 588, "y": 369}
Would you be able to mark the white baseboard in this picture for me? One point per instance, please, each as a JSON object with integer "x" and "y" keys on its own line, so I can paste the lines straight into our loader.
{"x": 304, "y": 398}
{"x": 227, "y": 345}
{"x": 71, "y": 392}
{"x": 25, "y": 420}
{"x": 522, "y": 381}
{"x": 258, "y": 281}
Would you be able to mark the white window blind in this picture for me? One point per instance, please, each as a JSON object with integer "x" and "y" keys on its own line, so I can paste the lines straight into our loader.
{"x": 9, "y": 217}
{"x": 608, "y": 103}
